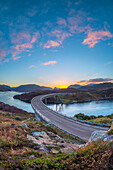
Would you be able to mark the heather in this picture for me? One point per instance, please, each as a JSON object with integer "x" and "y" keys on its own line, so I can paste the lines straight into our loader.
{"x": 60, "y": 151}
{"x": 97, "y": 119}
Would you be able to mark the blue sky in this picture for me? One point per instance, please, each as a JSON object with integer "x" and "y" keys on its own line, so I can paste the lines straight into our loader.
{"x": 56, "y": 43}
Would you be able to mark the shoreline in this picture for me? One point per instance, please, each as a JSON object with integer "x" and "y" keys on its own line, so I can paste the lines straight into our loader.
{"x": 79, "y": 101}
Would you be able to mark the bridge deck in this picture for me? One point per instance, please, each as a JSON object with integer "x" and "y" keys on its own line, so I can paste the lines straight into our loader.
{"x": 74, "y": 127}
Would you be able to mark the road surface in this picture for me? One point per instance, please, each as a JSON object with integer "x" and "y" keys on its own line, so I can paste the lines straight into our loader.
{"x": 82, "y": 130}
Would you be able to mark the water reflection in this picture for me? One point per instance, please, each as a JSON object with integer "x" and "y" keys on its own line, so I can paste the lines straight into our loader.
{"x": 59, "y": 107}
{"x": 96, "y": 108}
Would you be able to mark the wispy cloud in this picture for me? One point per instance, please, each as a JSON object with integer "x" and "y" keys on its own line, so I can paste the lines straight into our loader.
{"x": 92, "y": 75}
{"x": 95, "y": 81}
{"x": 20, "y": 37}
{"x": 23, "y": 32}
{"x": 22, "y": 47}
{"x": 6, "y": 61}
{"x": 22, "y": 42}
{"x": 16, "y": 58}
{"x": 32, "y": 66}
{"x": 63, "y": 36}
{"x": 49, "y": 63}
{"x": 51, "y": 43}
{"x": 95, "y": 37}
{"x": 2, "y": 54}
{"x": 108, "y": 63}
{"x": 62, "y": 22}
{"x": 32, "y": 11}
{"x": 35, "y": 36}
{"x": 60, "y": 35}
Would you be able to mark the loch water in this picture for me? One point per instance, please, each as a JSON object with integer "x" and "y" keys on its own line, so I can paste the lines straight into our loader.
{"x": 101, "y": 107}
{"x": 104, "y": 107}
{"x": 7, "y": 97}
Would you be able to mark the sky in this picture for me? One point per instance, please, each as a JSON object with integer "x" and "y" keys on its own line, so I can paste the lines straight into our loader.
{"x": 56, "y": 43}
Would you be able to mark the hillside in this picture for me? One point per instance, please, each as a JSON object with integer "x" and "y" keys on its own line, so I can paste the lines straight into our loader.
{"x": 30, "y": 88}
{"x": 76, "y": 95}
{"x": 24, "y": 88}
{"x": 97, "y": 86}
{"x": 27, "y": 97}
{"x": 4, "y": 88}
{"x": 29, "y": 144}
{"x": 76, "y": 86}
{"x": 92, "y": 87}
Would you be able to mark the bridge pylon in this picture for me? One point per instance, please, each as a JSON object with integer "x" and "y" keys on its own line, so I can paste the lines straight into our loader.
{"x": 59, "y": 98}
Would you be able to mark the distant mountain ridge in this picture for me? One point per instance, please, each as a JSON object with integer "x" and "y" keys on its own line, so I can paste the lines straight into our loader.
{"x": 92, "y": 86}
{"x": 24, "y": 88}
{"x": 37, "y": 88}
{"x": 4, "y": 88}
{"x": 76, "y": 86}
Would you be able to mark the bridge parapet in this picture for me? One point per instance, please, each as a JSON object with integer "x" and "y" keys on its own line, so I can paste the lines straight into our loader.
{"x": 59, "y": 97}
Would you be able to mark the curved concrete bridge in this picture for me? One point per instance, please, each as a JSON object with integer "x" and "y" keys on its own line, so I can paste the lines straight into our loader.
{"x": 81, "y": 130}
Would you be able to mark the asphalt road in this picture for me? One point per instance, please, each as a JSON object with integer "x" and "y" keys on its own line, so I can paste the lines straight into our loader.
{"x": 82, "y": 130}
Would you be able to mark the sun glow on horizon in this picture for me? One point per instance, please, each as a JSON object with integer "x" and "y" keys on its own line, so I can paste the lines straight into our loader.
{"x": 62, "y": 86}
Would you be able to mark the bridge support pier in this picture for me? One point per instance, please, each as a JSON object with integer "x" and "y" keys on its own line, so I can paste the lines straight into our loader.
{"x": 58, "y": 98}
{"x": 45, "y": 101}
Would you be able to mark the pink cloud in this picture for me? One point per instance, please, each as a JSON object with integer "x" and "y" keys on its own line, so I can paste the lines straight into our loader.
{"x": 20, "y": 37}
{"x": 32, "y": 66}
{"x": 6, "y": 61}
{"x": 23, "y": 42}
{"x": 108, "y": 63}
{"x": 64, "y": 35}
{"x": 16, "y": 58}
{"x": 51, "y": 43}
{"x": 74, "y": 23}
{"x": 95, "y": 37}
{"x": 14, "y": 53}
{"x": 23, "y": 37}
{"x": 2, "y": 54}
{"x": 92, "y": 75}
{"x": 62, "y": 21}
{"x": 49, "y": 63}
{"x": 34, "y": 38}
{"x": 22, "y": 47}
{"x": 56, "y": 33}
{"x": 95, "y": 81}
{"x": 60, "y": 35}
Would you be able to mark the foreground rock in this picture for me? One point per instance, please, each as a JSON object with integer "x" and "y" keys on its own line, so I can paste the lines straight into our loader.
{"x": 51, "y": 144}
{"x": 100, "y": 134}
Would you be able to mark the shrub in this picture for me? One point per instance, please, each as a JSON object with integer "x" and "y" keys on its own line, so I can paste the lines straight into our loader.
{"x": 110, "y": 116}
{"x": 110, "y": 132}
{"x": 82, "y": 116}
{"x": 92, "y": 117}
{"x": 18, "y": 118}
{"x": 100, "y": 116}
